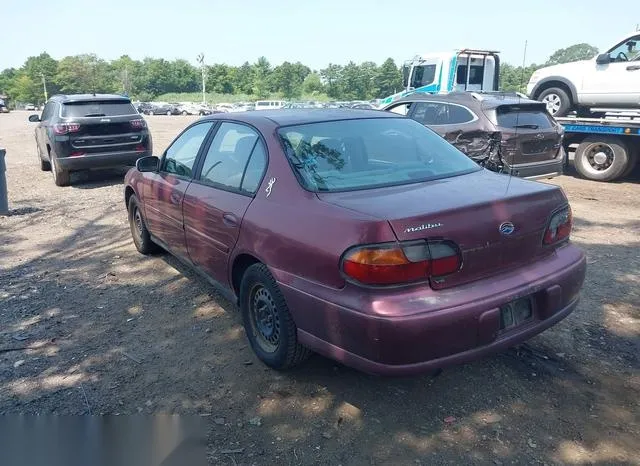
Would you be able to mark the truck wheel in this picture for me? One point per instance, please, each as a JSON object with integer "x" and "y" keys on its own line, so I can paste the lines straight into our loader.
{"x": 602, "y": 158}
{"x": 633, "y": 161}
{"x": 557, "y": 100}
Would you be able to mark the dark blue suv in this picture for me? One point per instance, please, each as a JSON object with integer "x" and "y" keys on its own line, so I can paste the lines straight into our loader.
{"x": 85, "y": 131}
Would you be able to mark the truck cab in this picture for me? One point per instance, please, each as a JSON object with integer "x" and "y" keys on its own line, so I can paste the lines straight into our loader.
{"x": 441, "y": 73}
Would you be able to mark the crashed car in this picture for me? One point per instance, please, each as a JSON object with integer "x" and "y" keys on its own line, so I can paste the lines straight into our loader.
{"x": 503, "y": 132}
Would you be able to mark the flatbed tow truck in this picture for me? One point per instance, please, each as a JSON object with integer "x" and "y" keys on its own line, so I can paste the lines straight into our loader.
{"x": 606, "y": 149}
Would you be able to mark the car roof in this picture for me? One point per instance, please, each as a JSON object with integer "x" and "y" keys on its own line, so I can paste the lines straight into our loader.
{"x": 301, "y": 116}
{"x": 88, "y": 97}
{"x": 471, "y": 99}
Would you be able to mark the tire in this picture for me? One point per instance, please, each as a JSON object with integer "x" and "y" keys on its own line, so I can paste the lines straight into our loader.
{"x": 557, "y": 100}
{"x": 633, "y": 161}
{"x": 602, "y": 158}
{"x": 60, "y": 177}
{"x": 45, "y": 165}
{"x": 185, "y": 113}
{"x": 274, "y": 339}
{"x": 168, "y": 112}
{"x": 139, "y": 232}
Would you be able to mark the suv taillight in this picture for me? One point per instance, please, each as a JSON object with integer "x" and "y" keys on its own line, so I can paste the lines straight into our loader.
{"x": 559, "y": 227}
{"x": 401, "y": 263}
{"x": 138, "y": 124}
{"x": 65, "y": 128}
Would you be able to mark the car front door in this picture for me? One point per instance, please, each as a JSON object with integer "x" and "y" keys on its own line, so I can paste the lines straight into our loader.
{"x": 616, "y": 82}
{"x": 41, "y": 129}
{"x": 217, "y": 199}
{"x": 165, "y": 189}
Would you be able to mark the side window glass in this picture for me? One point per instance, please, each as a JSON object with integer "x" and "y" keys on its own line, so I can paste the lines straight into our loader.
{"x": 255, "y": 168}
{"x": 458, "y": 115}
{"x": 627, "y": 51}
{"x": 228, "y": 156}
{"x": 401, "y": 109}
{"x": 181, "y": 155}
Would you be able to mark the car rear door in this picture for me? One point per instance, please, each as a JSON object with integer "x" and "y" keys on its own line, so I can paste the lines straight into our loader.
{"x": 164, "y": 190}
{"x": 216, "y": 201}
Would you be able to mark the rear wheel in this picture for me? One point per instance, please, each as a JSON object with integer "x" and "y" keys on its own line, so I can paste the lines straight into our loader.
{"x": 557, "y": 101}
{"x": 268, "y": 324}
{"x": 602, "y": 159}
{"x": 141, "y": 236}
{"x": 185, "y": 113}
{"x": 633, "y": 161}
{"x": 168, "y": 112}
{"x": 61, "y": 177}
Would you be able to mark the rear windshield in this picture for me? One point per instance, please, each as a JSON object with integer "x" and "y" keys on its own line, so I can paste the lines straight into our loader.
{"x": 97, "y": 108}
{"x": 368, "y": 153}
{"x": 523, "y": 118}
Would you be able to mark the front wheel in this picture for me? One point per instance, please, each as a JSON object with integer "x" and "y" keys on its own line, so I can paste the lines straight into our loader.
{"x": 168, "y": 112}
{"x": 557, "y": 101}
{"x": 268, "y": 324}
{"x": 602, "y": 158}
{"x": 141, "y": 236}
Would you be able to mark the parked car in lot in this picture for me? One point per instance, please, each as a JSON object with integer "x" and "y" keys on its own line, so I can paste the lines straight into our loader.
{"x": 362, "y": 236}
{"x": 610, "y": 80}
{"x": 270, "y": 104}
{"x": 85, "y": 131}
{"x": 503, "y": 132}
{"x": 162, "y": 108}
{"x": 30, "y": 107}
{"x": 144, "y": 107}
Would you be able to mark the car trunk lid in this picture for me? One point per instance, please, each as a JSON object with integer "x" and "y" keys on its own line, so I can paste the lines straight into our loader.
{"x": 470, "y": 211}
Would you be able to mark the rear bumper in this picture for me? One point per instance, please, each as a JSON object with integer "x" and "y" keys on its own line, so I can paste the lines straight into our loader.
{"x": 540, "y": 170}
{"x": 104, "y": 160}
{"x": 452, "y": 326}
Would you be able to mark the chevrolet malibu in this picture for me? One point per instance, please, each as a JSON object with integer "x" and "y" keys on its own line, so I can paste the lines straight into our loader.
{"x": 360, "y": 235}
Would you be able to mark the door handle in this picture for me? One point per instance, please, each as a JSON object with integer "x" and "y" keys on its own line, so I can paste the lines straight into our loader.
{"x": 230, "y": 220}
{"x": 633, "y": 68}
{"x": 175, "y": 199}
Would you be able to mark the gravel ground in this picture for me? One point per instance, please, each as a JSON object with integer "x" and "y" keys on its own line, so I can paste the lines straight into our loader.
{"x": 88, "y": 325}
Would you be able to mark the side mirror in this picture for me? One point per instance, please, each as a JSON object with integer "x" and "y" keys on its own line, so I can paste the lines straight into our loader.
{"x": 148, "y": 164}
{"x": 34, "y": 118}
{"x": 603, "y": 59}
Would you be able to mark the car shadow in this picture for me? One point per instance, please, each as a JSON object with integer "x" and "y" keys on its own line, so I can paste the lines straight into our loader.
{"x": 90, "y": 179}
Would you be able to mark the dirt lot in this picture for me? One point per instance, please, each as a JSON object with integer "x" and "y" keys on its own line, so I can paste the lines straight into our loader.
{"x": 88, "y": 325}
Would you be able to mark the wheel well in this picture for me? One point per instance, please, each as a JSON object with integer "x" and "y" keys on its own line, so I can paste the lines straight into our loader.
{"x": 240, "y": 265}
{"x": 550, "y": 84}
{"x": 128, "y": 192}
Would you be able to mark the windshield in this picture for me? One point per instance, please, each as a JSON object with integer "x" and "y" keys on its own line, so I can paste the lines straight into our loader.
{"x": 97, "y": 108}
{"x": 522, "y": 117}
{"x": 368, "y": 153}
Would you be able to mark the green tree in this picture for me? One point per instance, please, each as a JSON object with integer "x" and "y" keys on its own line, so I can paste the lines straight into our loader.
{"x": 37, "y": 68}
{"x": 184, "y": 77}
{"x": 24, "y": 89}
{"x": 366, "y": 82}
{"x": 312, "y": 84}
{"x": 262, "y": 78}
{"x": 573, "y": 53}
{"x": 85, "y": 73}
{"x": 7, "y": 77}
{"x": 388, "y": 79}
{"x": 220, "y": 78}
{"x": 243, "y": 79}
{"x": 288, "y": 78}
{"x": 332, "y": 76}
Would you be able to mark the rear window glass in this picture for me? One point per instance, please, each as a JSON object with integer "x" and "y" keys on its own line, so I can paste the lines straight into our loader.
{"x": 523, "y": 118}
{"x": 368, "y": 153}
{"x": 97, "y": 108}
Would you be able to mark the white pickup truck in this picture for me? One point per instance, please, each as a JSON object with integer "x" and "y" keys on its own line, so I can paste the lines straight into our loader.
{"x": 608, "y": 82}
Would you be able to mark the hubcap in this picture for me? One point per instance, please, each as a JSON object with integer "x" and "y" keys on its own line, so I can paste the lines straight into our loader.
{"x": 553, "y": 102}
{"x": 264, "y": 319}
{"x": 599, "y": 157}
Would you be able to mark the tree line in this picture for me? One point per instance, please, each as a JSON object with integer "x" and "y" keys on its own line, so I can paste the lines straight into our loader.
{"x": 151, "y": 77}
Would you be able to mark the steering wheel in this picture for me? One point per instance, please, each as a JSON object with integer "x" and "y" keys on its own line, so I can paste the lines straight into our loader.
{"x": 622, "y": 57}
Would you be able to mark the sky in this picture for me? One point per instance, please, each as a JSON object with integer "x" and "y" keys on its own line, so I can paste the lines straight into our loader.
{"x": 315, "y": 32}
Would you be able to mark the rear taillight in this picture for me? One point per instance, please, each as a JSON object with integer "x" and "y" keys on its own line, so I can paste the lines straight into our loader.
{"x": 559, "y": 227}
{"x": 400, "y": 263}
{"x": 66, "y": 128}
{"x": 138, "y": 124}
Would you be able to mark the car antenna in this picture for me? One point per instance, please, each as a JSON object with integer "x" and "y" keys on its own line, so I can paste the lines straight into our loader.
{"x": 520, "y": 84}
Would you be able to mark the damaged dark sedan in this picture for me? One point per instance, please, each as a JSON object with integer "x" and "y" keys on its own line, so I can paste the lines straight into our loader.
{"x": 503, "y": 132}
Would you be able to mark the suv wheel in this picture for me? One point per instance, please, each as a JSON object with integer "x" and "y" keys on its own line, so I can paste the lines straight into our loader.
{"x": 557, "y": 100}
{"x": 267, "y": 321}
{"x": 602, "y": 159}
{"x": 45, "y": 165}
{"x": 60, "y": 177}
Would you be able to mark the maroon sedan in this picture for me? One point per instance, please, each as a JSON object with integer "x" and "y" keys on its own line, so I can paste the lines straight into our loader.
{"x": 360, "y": 235}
